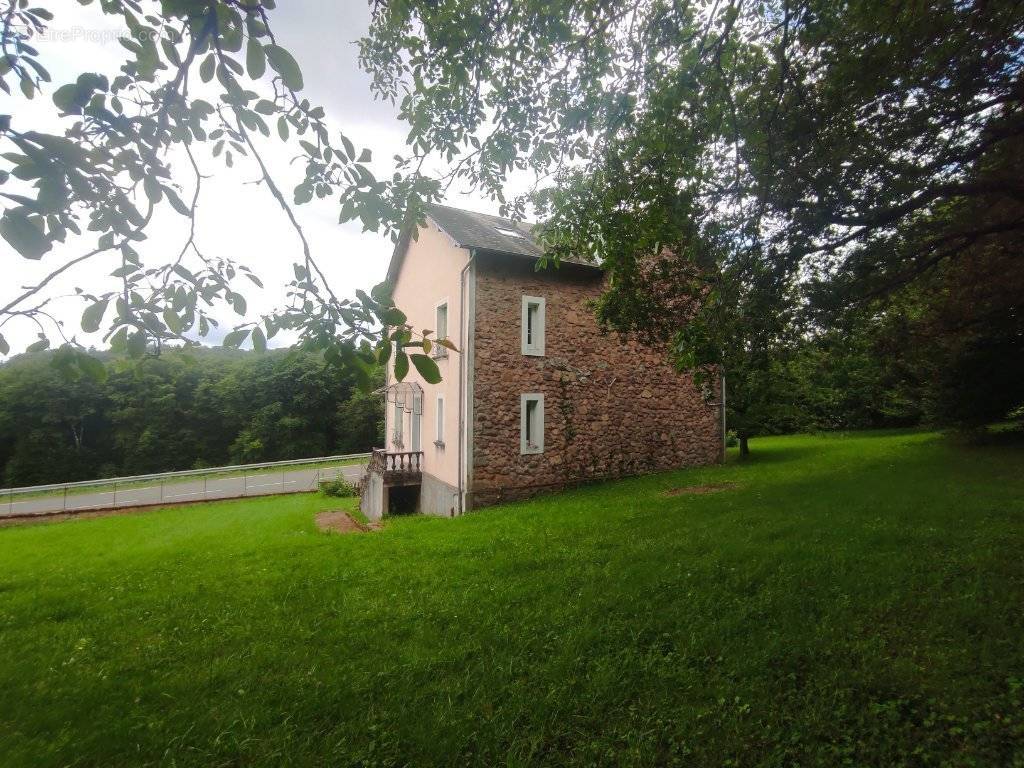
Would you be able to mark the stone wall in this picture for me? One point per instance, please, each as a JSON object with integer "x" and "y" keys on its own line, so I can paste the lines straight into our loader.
{"x": 612, "y": 406}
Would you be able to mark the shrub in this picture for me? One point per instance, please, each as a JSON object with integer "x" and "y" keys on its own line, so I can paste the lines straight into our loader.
{"x": 338, "y": 488}
{"x": 731, "y": 441}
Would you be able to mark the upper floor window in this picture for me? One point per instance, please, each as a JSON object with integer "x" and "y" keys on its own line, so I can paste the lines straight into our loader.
{"x": 533, "y": 325}
{"x": 441, "y": 328}
{"x": 439, "y": 441}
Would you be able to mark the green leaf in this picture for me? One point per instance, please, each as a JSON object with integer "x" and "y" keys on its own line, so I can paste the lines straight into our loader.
{"x": 66, "y": 98}
{"x": 5, "y": 348}
{"x": 259, "y": 341}
{"x": 401, "y": 365}
{"x": 93, "y": 316}
{"x": 255, "y": 59}
{"x": 207, "y": 67}
{"x": 427, "y": 368}
{"x": 350, "y": 149}
{"x": 173, "y": 321}
{"x": 285, "y": 65}
{"x": 282, "y": 128}
{"x": 237, "y": 302}
{"x": 176, "y": 202}
{"x": 38, "y": 346}
{"x": 24, "y": 235}
{"x": 235, "y": 338}
{"x": 447, "y": 344}
{"x": 119, "y": 341}
{"x": 154, "y": 192}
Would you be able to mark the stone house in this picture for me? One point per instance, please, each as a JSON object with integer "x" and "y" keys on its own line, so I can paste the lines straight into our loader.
{"x": 536, "y": 398}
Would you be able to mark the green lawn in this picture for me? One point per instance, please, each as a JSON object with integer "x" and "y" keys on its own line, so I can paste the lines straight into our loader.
{"x": 851, "y": 600}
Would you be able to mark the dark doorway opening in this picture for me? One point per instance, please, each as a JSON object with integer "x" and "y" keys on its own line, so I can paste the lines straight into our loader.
{"x": 403, "y": 499}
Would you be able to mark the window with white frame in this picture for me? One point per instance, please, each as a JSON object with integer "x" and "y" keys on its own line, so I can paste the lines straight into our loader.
{"x": 396, "y": 426}
{"x": 531, "y": 424}
{"x": 416, "y": 417}
{"x": 439, "y": 422}
{"x": 440, "y": 328}
{"x": 533, "y": 325}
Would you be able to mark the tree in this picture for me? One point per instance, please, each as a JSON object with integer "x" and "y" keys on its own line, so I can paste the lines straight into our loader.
{"x": 770, "y": 146}
{"x": 779, "y": 150}
{"x": 127, "y": 137}
{"x": 182, "y": 410}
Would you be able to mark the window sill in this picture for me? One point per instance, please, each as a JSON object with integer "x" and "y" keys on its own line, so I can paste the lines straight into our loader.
{"x": 439, "y": 444}
{"x": 440, "y": 355}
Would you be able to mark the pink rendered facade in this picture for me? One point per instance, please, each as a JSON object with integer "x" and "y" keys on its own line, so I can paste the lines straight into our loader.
{"x": 433, "y": 275}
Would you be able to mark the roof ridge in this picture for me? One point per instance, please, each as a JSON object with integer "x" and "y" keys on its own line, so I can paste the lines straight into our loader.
{"x": 477, "y": 213}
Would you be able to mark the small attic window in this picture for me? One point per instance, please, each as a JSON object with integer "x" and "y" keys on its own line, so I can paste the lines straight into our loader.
{"x": 510, "y": 232}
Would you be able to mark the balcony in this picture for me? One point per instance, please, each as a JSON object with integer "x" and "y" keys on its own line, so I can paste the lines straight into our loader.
{"x": 397, "y": 468}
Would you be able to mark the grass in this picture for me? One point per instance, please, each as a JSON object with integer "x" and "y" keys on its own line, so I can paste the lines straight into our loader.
{"x": 851, "y": 600}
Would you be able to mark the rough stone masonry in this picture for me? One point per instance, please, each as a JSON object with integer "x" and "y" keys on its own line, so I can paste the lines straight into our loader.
{"x": 612, "y": 406}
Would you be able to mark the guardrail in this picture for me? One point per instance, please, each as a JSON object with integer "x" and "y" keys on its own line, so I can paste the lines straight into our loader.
{"x": 264, "y": 479}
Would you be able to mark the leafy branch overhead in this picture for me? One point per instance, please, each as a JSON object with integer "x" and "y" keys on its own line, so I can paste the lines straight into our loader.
{"x": 201, "y": 80}
{"x": 745, "y": 171}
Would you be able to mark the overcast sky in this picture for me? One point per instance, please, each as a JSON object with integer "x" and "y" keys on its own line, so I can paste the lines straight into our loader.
{"x": 234, "y": 219}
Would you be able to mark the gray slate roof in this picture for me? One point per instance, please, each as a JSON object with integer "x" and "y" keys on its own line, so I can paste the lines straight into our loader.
{"x": 480, "y": 230}
{"x": 476, "y": 230}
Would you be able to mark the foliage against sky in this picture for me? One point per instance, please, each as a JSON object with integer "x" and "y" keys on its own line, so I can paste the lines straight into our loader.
{"x": 768, "y": 146}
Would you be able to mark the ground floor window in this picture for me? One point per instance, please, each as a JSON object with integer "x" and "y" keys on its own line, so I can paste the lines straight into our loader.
{"x": 396, "y": 427}
{"x": 531, "y": 424}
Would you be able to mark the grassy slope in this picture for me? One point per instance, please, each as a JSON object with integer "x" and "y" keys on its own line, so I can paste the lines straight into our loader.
{"x": 854, "y": 597}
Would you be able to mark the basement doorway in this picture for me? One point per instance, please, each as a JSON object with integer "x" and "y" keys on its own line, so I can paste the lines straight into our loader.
{"x": 403, "y": 499}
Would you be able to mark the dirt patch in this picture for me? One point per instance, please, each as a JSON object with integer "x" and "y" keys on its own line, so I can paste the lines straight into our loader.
{"x": 697, "y": 490}
{"x": 56, "y": 517}
{"x": 339, "y": 521}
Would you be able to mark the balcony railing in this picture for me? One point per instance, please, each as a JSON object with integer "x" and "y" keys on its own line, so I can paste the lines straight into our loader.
{"x": 402, "y": 466}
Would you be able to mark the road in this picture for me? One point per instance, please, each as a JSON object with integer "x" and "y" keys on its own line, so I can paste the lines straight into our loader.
{"x": 176, "y": 491}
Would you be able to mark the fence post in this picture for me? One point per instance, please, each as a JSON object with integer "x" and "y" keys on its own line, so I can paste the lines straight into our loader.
{"x": 115, "y": 494}
{"x": 64, "y": 504}
{"x": 245, "y": 484}
{"x": 204, "y": 487}
{"x": 161, "y": 490}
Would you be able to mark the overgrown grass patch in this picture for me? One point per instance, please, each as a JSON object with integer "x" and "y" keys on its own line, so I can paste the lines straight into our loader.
{"x": 848, "y": 598}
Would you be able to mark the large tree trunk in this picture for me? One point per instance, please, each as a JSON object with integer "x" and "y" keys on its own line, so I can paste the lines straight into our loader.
{"x": 744, "y": 446}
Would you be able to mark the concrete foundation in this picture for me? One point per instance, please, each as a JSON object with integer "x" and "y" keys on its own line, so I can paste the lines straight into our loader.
{"x": 438, "y": 498}
{"x": 373, "y": 501}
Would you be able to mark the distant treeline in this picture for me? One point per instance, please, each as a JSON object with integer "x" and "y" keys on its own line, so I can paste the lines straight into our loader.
{"x": 181, "y": 410}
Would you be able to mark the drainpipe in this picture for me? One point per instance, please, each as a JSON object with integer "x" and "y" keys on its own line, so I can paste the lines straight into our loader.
{"x": 465, "y": 338}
